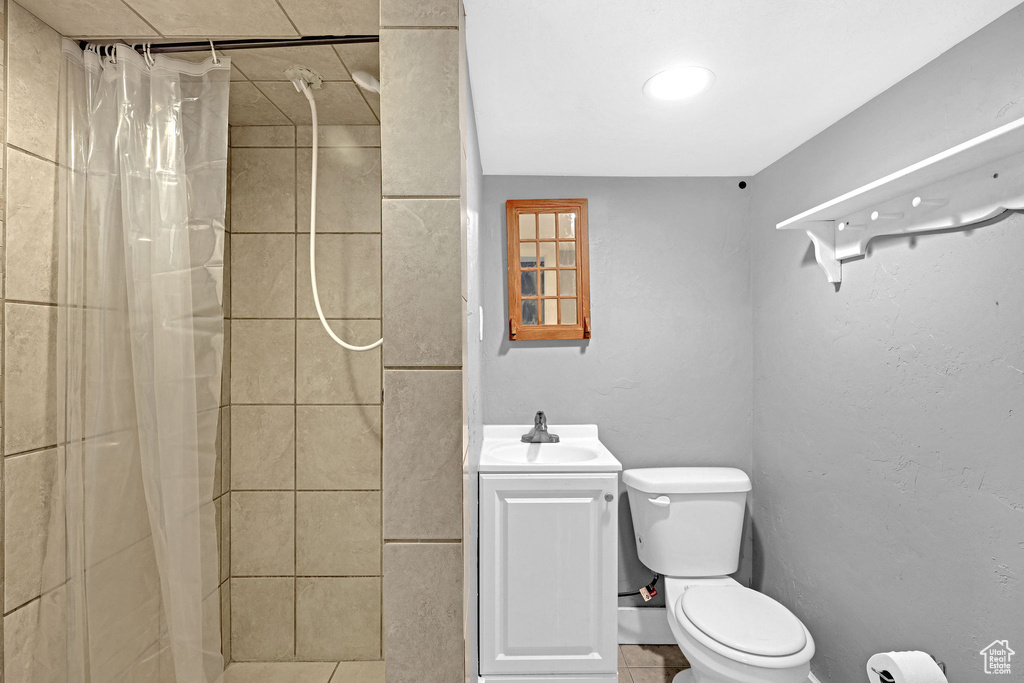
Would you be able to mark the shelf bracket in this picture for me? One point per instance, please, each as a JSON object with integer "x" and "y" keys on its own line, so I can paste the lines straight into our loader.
{"x": 823, "y": 237}
{"x": 963, "y": 186}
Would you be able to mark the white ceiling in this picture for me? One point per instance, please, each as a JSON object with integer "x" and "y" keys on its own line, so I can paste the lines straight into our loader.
{"x": 557, "y": 85}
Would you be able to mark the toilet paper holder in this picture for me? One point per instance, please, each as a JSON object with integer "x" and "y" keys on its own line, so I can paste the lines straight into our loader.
{"x": 886, "y": 677}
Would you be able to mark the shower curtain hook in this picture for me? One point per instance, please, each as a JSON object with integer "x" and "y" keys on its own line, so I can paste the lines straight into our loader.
{"x": 149, "y": 56}
{"x": 216, "y": 59}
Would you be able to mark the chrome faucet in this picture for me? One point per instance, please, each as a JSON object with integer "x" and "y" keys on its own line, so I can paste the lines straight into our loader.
{"x": 539, "y": 433}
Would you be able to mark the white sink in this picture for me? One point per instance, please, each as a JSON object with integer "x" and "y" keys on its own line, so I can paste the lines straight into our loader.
{"x": 578, "y": 450}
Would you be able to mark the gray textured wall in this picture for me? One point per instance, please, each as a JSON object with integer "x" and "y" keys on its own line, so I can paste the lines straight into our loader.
{"x": 889, "y": 416}
{"x": 666, "y": 376}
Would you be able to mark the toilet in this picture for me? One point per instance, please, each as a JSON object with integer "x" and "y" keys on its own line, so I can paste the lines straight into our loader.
{"x": 688, "y": 523}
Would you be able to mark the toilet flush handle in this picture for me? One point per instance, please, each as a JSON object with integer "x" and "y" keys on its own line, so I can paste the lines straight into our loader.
{"x": 660, "y": 501}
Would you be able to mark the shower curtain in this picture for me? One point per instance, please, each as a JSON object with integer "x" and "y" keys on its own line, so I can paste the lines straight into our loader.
{"x": 140, "y": 349}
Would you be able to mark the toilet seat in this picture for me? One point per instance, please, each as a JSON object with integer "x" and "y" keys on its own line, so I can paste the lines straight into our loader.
{"x": 743, "y": 619}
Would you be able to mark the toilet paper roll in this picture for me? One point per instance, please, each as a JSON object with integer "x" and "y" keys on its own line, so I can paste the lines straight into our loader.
{"x": 905, "y": 667}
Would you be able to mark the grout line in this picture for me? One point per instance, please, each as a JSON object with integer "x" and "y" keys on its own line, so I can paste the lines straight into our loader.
{"x": 33, "y": 155}
{"x": 144, "y": 19}
{"x": 423, "y": 541}
{"x": 422, "y": 367}
{"x": 288, "y": 17}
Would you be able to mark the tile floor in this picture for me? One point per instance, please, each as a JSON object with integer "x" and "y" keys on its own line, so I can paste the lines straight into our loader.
{"x": 637, "y": 664}
{"x": 650, "y": 663}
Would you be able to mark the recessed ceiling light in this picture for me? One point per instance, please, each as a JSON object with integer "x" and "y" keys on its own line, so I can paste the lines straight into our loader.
{"x": 679, "y": 83}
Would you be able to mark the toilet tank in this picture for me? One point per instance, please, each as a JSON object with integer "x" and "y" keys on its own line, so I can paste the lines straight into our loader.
{"x": 688, "y": 521}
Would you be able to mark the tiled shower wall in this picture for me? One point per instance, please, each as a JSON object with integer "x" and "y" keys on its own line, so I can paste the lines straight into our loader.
{"x": 33, "y": 502}
{"x": 305, "y": 511}
{"x": 422, "y": 317}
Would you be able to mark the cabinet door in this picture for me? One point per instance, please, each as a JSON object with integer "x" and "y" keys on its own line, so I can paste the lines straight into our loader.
{"x": 548, "y": 563}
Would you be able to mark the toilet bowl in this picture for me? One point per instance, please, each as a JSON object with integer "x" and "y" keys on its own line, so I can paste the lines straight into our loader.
{"x": 688, "y": 523}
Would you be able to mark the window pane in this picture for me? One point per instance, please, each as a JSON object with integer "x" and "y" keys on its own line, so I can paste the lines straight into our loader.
{"x": 529, "y": 311}
{"x": 550, "y": 312}
{"x": 546, "y": 225}
{"x": 527, "y": 226}
{"x": 567, "y": 254}
{"x": 549, "y": 282}
{"x": 547, "y": 254}
{"x": 567, "y": 281}
{"x": 569, "y": 311}
{"x": 567, "y": 225}
{"x": 529, "y": 282}
{"x": 528, "y": 255}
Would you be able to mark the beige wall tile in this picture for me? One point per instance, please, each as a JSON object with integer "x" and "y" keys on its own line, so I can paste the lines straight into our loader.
{"x": 225, "y": 378}
{"x": 423, "y": 485}
{"x": 90, "y": 18}
{"x": 270, "y": 64}
{"x": 263, "y": 276}
{"x": 31, "y": 228}
{"x": 423, "y": 612}
{"x": 249, "y": 107}
{"x": 225, "y": 622}
{"x": 225, "y": 449}
{"x": 338, "y": 447}
{"x": 327, "y": 17}
{"x": 264, "y": 447}
{"x": 359, "y": 672}
{"x": 348, "y": 189}
{"x": 116, "y": 509}
{"x": 262, "y": 361}
{"x": 262, "y": 533}
{"x": 341, "y": 136}
{"x": 262, "y": 136}
{"x": 32, "y": 82}
{"x": 33, "y": 526}
{"x": 243, "y": 18}
{"x": 337, "y": 533}
{"x": 428, "y": 13}
{"x": 420, "y": 137}
{"x": 262, "y": 619}
{"x": 337, "y": 618}
{"x": 327, "y": 373}
{"x": 422, "y": 282}
{"x": 124, "y": 596}
{"x": 35, "y": 639}
{"x": 225, "y": 299}
{"x": 262, "y": 190}
{"x": 347, "y": 276}
{"x": 360, "y": 57}
{"x": 30, "y": 402}
{"x": 338, "y": 102}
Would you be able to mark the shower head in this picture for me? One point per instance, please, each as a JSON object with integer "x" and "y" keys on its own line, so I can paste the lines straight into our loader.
{"x": 366, "y": 81}
{"x": 300, "y": 75}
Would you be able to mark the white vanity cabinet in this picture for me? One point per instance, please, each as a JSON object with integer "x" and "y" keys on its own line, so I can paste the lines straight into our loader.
{"x": 548, "y": 564}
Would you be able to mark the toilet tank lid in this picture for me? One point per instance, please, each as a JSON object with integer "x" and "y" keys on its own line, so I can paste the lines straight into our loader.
{"x": 667, "y": 480}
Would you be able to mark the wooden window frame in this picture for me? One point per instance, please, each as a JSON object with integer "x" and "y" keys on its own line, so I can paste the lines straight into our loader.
{"x": 517, "y": 331}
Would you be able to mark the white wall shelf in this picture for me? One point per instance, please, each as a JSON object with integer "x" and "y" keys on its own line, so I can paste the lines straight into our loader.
{"x": 966, "y": 184}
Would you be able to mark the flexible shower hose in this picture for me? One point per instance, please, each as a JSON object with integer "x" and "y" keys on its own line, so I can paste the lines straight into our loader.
{"x": 303, "y": 87}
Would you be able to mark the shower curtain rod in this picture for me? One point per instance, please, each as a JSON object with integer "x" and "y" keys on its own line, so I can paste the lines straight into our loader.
{"x": 246, "y": 43}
